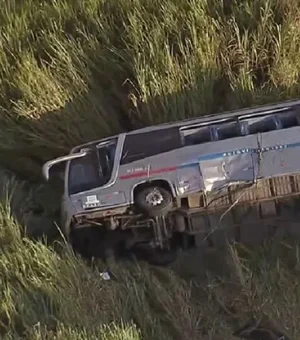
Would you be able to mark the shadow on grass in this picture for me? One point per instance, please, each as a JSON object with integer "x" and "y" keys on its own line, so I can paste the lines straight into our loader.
{"x": 43, "y": 202}
{"x": 55, "y": 133}
{"x": 230, "y": 289}
{"x": 89, "y": 118}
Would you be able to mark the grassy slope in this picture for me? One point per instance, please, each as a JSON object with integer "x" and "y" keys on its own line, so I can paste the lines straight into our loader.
{"x": 47, "y": 293}
{"x": 73, "y": 70}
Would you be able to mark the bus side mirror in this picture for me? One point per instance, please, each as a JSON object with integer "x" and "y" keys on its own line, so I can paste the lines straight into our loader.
{"x": 55, "y": 172}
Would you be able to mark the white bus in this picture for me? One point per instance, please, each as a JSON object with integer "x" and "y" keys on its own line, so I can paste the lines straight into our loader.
{"x": 159, "y": 186}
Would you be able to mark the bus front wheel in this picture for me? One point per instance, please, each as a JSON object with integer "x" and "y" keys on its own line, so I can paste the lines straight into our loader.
{"x": 154, "y": 201}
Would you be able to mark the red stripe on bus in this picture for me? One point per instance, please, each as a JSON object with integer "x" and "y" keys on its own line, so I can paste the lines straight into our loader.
{"x": 145, "y": 173}
{"x": 134, "y": 175}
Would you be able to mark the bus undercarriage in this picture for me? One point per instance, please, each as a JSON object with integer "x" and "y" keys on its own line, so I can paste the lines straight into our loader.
{"x": 237, "y": 213}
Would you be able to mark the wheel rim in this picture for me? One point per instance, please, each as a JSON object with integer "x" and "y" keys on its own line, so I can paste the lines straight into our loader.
{"x": 154, "y": 198}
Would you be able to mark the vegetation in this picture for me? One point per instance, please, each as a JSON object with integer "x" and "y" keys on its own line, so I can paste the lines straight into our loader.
{"x": 75, "y": 70}
{"x": 48, "y": 293}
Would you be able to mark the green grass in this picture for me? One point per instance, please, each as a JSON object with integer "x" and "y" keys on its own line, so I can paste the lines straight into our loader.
{"x": 75, "y": 70}
{"x": 48, "y": 293}
{"x": 72, "y": 70}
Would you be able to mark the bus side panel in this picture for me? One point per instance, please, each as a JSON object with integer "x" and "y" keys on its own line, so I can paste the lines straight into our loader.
{"x": 280, "y": 152}
{"x": 225, "y": 162}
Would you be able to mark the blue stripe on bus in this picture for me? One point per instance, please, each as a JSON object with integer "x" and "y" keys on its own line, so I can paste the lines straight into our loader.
{"x": 218, "y": 155}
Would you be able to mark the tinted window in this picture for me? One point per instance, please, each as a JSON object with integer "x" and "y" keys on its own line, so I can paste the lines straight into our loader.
{"x": 93, "y": 170}
{"x": 261, "y": 124}
{"x": 272, "y": 122}
{"x": 83, "y": 174}
{"x": 196, "y": 135}
{"x": 147, "y": 144}
{"x": 229, "y": 130}
{"x": 204, "y": 134}
{"x": 288, "y": 120}
{"x": 106, "y": 157}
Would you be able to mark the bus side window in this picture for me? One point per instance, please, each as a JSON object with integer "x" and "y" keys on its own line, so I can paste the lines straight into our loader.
{"x": 146, "y": 144}
{"x": 229, "y": 130}
{"x": 289, "y": 120}
{"x": 196, "y": 135}
{"x": 261, "y": 124}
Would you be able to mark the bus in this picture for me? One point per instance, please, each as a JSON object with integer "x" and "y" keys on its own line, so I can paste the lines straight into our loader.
{"x": 178, "y": 183}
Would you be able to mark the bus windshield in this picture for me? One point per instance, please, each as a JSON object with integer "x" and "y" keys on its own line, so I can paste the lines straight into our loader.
{"x": 93, "y": 170}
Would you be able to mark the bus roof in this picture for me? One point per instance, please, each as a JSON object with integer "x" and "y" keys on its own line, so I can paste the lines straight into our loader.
{"x": 251, "y": 111}
{"x": 230, "y": 115}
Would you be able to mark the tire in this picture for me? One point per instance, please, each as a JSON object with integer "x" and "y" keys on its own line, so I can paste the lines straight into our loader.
{"x": 145, "y": 201}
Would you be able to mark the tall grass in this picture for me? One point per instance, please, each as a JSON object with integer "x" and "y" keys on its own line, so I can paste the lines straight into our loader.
{"x": 71, "y": 71}
{"x": 48, "y": 293}
{"x": 53, "y": 295}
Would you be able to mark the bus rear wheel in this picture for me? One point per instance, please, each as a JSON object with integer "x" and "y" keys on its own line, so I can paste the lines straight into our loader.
{"x": 154, "y": 201}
